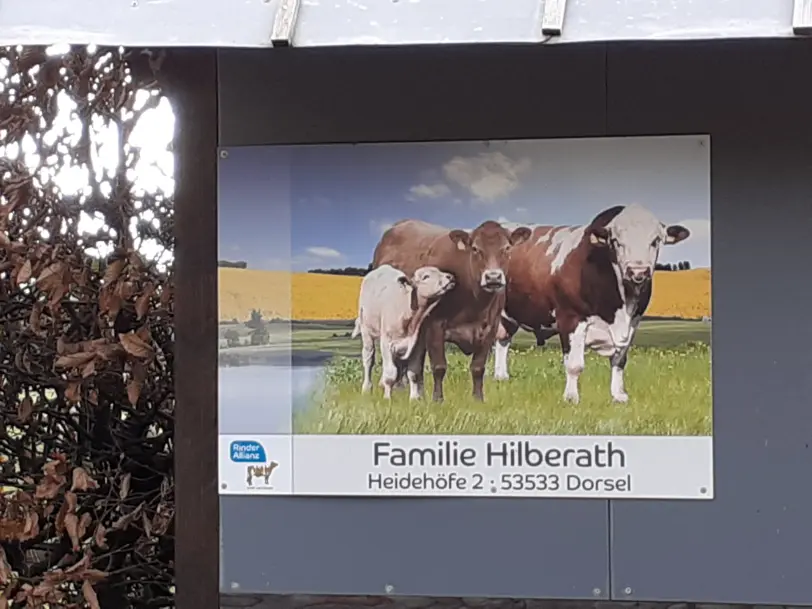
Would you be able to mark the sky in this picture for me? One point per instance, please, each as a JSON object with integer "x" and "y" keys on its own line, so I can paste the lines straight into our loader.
{"x": 303, "y": 207}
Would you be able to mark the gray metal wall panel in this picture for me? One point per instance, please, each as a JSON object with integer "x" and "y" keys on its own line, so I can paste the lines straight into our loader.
{"x": 752, "y": 543}
{"x": 360, "y": 95}
{"x": 419, "y": 547}
{"x": 443, "y": 547}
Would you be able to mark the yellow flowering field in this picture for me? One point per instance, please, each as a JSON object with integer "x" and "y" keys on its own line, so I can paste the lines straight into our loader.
{"x": 301, "y": 296}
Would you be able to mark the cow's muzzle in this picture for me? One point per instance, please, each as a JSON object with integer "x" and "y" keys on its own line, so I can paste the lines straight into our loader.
{"x": 638, "y": 274}
{"x": 493, "y": 281}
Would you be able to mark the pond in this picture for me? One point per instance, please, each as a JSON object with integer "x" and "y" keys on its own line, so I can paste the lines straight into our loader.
{"x": 261, "y": 399}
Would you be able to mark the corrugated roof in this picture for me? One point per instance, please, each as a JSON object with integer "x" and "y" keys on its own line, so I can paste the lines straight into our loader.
{"x": 249, "y": 23}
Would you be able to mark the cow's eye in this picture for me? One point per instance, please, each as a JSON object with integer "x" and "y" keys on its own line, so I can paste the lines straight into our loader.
{"x": 476, "y": 250}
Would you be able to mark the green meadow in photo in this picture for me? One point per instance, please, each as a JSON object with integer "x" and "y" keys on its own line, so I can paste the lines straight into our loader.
{"x": 668, "y": 378}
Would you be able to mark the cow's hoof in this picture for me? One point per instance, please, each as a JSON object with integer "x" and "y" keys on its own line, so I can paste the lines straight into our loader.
{"x": 621, "y": 398}
{"x": 366, "y": 388}
{"x": 572, "y": 398}
{"x": 501, "y": 376}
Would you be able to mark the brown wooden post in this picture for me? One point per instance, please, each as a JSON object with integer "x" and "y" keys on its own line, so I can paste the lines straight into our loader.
{"x": 191, "y": 80}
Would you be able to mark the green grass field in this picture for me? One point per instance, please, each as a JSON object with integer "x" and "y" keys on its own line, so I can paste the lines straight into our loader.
{"x": 667, "y": 378}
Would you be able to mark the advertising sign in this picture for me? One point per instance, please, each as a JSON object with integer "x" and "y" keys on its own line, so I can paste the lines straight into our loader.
{"x": 527, "y": 318}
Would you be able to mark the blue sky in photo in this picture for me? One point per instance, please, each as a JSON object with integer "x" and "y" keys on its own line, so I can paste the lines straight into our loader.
{"x": 303, "y": 207}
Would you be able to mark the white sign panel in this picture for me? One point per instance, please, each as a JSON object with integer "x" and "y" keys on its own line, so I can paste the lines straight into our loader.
{"x": 525, "y": 318}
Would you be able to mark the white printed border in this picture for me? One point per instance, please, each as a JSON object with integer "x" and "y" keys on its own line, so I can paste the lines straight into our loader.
{"x": 599, "y": 467}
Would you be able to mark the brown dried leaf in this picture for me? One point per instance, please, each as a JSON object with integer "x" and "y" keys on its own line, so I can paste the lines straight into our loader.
{"x": 166, "y": 295}
{"x": 74, "y": 360}
{"x": 82, "y": 481}
{"x": 113, "y": 271}
{"x": 147, "y": 524}
{"x": 124, "y": 490}
{"x": 25, "y": 409}
{"x": 51, "y": 276}
{"x": 57, "y": 294}
{"x": 90, "y": 595}
{"x": 89, "y": 369}
{"x": 72, "y": 527}
{"x": 6, "y": 574}
{"x": 126, "y": 289}
{"x": 144, "y": 333}
{"x": 59, "y": 522}
{"x": 162, "y": 518}
{"x": 134, "y": 391}
{"x": 24, "y": 274}
{"x": 72, "y": 501}
{"x": 35, "y": 318}
{"x": 137, "y": 261}
{"x": 73, "y": 392}
{"x": 48, "y": 488}
{"x": 142, "y": 302}
{"x": 84, "y": 523}
{"x": 127, "y": 519}
{"x": 135, "y": 345}
{"x": 99, "y": 535}
{"x": 94, "y": 575}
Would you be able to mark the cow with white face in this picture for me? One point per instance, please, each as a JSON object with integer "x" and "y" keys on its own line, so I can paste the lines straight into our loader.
{"x": 589, "y": 284}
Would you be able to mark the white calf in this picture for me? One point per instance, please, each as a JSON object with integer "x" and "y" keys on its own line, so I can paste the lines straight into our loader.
{"x": 391, "y": 309}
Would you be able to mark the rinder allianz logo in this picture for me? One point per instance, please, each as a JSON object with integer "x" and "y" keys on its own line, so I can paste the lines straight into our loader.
{"x": 258, "y": 469}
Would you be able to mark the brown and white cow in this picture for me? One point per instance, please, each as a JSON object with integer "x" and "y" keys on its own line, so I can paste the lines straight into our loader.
{"x": 467, "y": 316}
{"x": 391, "y": 309}
{"x": 589, "y": 284}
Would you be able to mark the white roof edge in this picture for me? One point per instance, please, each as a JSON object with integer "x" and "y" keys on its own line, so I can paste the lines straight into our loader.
{"x": 249, "y": 23}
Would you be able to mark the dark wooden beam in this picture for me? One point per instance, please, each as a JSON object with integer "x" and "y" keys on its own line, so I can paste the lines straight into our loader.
{"x": 191, "y": 80}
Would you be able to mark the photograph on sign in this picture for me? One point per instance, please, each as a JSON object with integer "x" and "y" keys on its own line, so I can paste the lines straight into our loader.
{"x": 499, "y": 318}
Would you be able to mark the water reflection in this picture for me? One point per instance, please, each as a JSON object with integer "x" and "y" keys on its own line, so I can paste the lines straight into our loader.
{"x": 261, "y": 399}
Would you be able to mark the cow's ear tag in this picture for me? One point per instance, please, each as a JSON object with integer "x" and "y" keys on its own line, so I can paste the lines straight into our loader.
{"x": 460, "y": 246}
{"x": 595, "y": 240}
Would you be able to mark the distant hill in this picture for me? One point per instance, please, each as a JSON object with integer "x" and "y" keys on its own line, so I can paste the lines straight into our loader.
{"x": 228, "y": 264}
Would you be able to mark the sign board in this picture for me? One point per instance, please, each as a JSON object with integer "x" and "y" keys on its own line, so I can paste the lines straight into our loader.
{"x": 526, "y": 318}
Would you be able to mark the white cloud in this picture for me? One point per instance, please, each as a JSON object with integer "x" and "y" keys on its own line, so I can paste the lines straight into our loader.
{"x": 428, "y": 191}
{"x": 323, "y": 252}
{"x": 379, "y": 227}
{"x": 488, "y": 176}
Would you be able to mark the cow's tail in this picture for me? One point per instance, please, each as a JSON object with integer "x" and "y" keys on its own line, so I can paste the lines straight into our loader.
{"x": 357, "y": 329}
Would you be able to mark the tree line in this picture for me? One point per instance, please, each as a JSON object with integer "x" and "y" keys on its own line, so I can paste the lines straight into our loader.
{"x": 684, "y": 265}
{"x": 229, "y": 264}
{"x": 355, "y": 271}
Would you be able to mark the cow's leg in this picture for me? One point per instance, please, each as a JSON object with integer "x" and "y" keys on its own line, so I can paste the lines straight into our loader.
{"x": 368, "y": 358}
{"x": 389, "y": 372}
{"x": 617, "y": 385}
{"x": 501, "y": 347}
{"x": 414, "y": 370}
{"x": 479, "y": 360}
{"x": 573, "y": 344}
{"x": 435, "y": 344}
